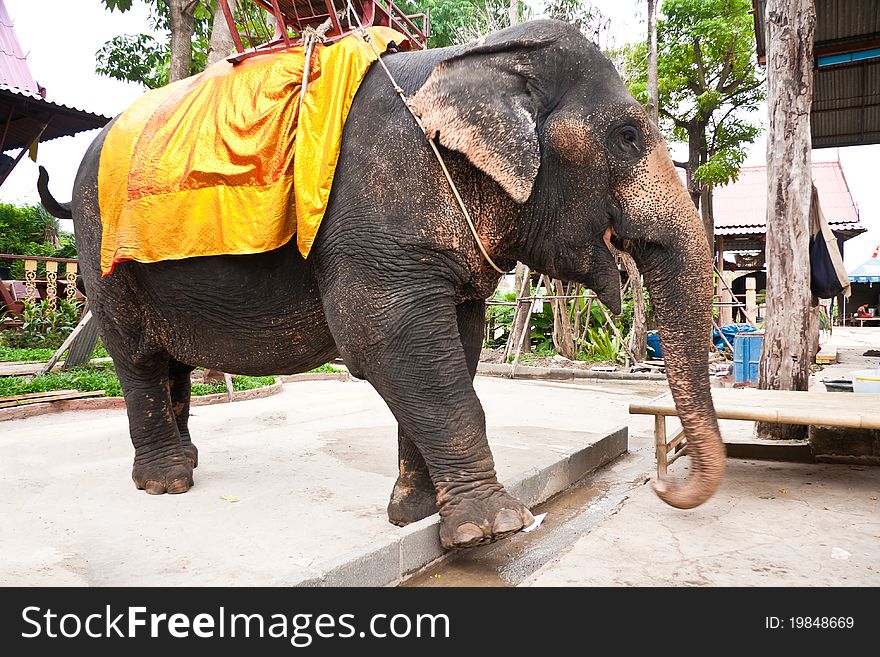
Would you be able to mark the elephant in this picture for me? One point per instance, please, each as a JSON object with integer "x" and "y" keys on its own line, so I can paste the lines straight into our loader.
{"x": 556, "y": 163}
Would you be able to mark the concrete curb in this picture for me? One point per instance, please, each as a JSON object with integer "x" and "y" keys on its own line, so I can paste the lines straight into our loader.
{"x": 563, "y": 373}
{"x": 104, "y": 403}
{"x": 317, "y": 376}
{"x": 412, "y": 548}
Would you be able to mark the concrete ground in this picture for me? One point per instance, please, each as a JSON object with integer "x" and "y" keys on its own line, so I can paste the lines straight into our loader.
{"x": 291, "y": 481}
{"x": 284, "y": 483}
{"x": 770, "y": 524}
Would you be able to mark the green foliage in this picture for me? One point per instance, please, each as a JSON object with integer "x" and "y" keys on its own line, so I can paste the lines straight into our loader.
{"x": 103, "y": 377}
{"x": 140, "y": 58}
{"x": 35, "y": 354}
{"x": 85, "y": 379}
{"x": 458, "y": 21}
{"x": 604, "y": 346}
{"x": 326, "y": 368}
{"x": 23, "y": 354}
{"x": 43, "y": 327}
{"x": 708, "y": 79}
{"x": 23, "y": 230}
{"x": 499, "y": 317}
{"x": 134, "y": 58}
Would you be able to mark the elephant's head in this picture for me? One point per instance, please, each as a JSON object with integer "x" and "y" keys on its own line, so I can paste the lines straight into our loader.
{"x": 579, "y": 166}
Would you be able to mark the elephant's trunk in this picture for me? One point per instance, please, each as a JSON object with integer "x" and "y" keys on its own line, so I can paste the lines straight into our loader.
{"x": 675, "y": 259}
{"x": 682, "y": 300}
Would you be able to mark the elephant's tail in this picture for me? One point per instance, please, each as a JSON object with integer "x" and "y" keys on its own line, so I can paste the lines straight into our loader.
{"x": 53, "y": 207}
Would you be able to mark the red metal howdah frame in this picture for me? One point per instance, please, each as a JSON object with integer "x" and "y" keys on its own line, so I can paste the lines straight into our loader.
{"x": 301, "y": 14}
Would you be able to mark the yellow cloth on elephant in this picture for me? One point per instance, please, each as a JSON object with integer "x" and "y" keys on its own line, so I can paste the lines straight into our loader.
{"x": 226, "y": 162}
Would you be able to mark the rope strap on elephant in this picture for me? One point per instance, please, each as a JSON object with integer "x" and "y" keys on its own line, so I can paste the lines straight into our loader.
{"x": 467, "y": 215}
{"x": 234, "y": 160}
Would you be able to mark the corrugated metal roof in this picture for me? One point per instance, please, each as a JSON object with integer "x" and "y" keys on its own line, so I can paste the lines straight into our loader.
{"x": 14, "y": 70}
{"x": 846, "y": 96}
{"x": 23, "y": 110}
{"x": 27, "y": 114}
{"x": 740, "y": 208}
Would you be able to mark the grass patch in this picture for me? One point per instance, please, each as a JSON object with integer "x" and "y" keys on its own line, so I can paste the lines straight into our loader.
{"x": 25, "y": 354}
{"x": 326, "y": 368}
{"x": 89, "y": 378}
{"x": 39, "y": 354}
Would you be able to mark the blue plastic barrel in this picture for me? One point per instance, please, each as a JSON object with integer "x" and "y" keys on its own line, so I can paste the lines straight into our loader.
{"x": 747, "y": 356}
{"x": 654, "y": 348}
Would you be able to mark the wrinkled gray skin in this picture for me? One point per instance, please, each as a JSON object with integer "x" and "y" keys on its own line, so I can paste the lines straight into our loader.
{"x": 553, "y": 158}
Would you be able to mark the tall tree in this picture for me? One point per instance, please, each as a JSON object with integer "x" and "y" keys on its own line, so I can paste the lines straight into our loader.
{"x": 144, "y": 59}
{"x": 653, "y": 104}
{"x": 785, "y": 358}
{"x": 709, "y": 83}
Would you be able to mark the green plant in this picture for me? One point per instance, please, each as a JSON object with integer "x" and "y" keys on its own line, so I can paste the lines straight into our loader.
{"x": 499, "y": 319}
{"x": 604, "y": 346}
{"x": 43, "y": 327}
{"x": 103, "y": 377}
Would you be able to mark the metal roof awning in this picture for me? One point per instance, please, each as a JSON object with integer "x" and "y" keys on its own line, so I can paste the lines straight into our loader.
{"x": 23, "y": 115}
{"x": 846, "y": 93}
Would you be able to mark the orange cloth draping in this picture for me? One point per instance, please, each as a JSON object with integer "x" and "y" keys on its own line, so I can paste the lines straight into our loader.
{"x": 226, "y": 162}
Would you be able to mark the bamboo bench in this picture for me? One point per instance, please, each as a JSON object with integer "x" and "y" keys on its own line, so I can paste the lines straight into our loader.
{"x": 829, "y": 409}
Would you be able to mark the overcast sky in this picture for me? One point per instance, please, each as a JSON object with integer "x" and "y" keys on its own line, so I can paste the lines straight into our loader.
{"x": 62, "y": 36}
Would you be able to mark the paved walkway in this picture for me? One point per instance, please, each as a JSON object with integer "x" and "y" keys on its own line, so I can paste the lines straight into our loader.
{"x": 770, "y": 524}
{"x": 284, "y": 483}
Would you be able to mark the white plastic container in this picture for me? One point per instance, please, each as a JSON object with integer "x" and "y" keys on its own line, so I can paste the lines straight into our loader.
{"x": 866, "y": 381}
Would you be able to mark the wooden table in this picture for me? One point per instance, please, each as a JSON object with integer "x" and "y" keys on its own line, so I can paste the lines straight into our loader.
{"x": 830, "y": 409}
{"x": 861, "y": 320}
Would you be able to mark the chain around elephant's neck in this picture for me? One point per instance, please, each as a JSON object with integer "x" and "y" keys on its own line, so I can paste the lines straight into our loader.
{"x": 464, "y": 211}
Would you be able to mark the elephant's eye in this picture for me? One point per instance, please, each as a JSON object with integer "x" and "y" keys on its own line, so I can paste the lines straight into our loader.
{"x": 626, "y": 142}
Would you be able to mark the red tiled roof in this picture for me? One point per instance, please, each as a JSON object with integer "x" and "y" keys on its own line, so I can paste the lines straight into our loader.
{"x": 740, "y": 208}
{"x": 14, "y": 70}
{"x": 23, "y": 107}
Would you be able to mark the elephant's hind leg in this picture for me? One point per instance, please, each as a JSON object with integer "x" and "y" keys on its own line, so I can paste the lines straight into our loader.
{"x": 413, "y": 496}
{"x": 180, "y": 388}
{"x": 161, "y": 465}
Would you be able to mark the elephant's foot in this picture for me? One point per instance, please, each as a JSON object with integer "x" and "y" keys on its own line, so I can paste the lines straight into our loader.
{"x": 481, "y": 515}
{"x": 191, "y": 452}
{"x": 411, "y": 501}
{"x": 171, "y": 474}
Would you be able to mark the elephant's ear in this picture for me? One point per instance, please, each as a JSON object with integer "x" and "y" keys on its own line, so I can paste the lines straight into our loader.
{"x": 483, "y": 104}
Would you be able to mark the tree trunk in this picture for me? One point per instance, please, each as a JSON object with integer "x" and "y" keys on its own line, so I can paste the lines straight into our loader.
{"x": 182, "y": 28}
{"x": 221, "y": 44}
{"x": 707, "y": 215}
{"x": 693, "y": 163}
{"x": 785, "y": 358}
{"x": 563, "y": 339}
{"x": 638, "y": 337}
{"x": 653, "y": 93}
{"x": 513, "y": 12}
{"x": 520, "y": 315}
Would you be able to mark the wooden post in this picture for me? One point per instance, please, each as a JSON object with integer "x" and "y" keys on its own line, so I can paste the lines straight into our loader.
{"x": 638, "y": 337}
{"x": 70, "y": 278}
{"x": 52, "y": 284}
{"x": 30, "y": 281}
{"x": 660, "y": 443}
{"x": 562, "y": 337}
{"x": 751, "y": 298}
{"x": 785, "y": 358}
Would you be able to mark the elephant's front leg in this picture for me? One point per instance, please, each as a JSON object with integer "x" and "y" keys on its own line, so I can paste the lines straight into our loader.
{"x": 413, "y": 496}
{"x": 412, "y": 353}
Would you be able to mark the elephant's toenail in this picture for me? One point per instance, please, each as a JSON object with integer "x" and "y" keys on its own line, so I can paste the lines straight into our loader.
{"x": 178, "y": 486}
{"x": 154, "y": 487}
{"x": 507, "y": 520}
{"x": 466, "y": 534}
